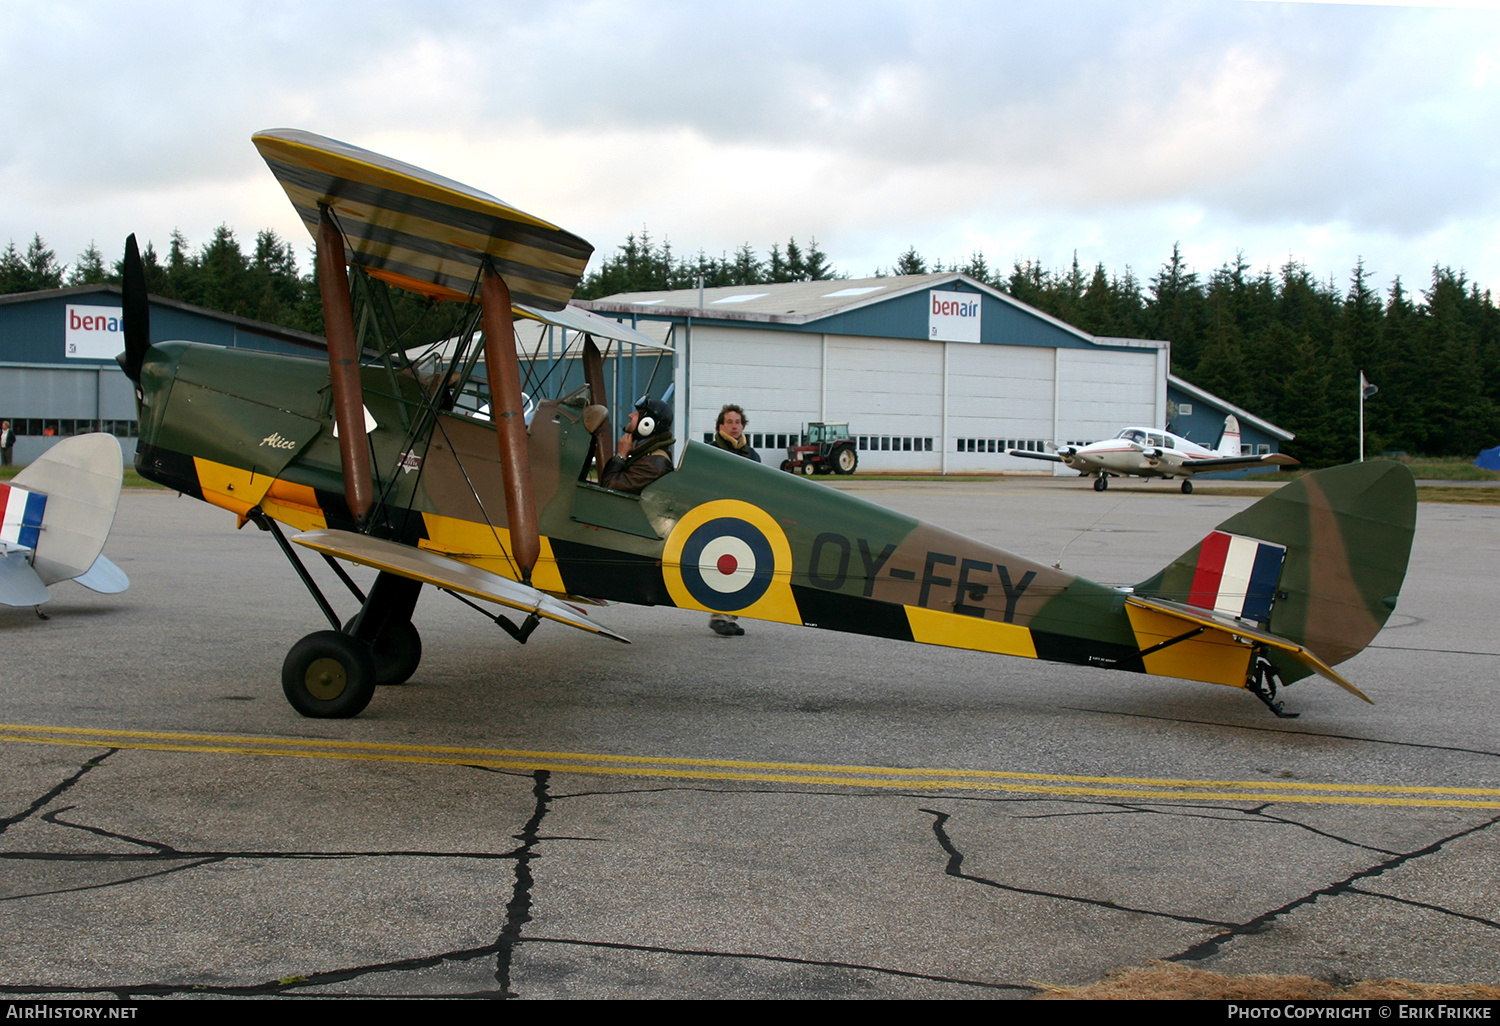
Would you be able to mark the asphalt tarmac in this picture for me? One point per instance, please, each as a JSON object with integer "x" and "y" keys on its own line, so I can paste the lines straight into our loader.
{"x": 788, "y": 814}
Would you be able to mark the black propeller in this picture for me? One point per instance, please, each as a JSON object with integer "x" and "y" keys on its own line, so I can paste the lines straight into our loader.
{"x": 135, "y": 312}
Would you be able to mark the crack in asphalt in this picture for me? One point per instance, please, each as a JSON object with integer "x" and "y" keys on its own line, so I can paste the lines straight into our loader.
{"x": 1260, "y": 812}
{"x": 285, "y": 985}
{"x": 1427, "y": 905}
{"x": 1284, "y": 731}
{"x": 518, "y": 909}
{"x": 41, "y": 802}
{"x": 1211, "y": 946}
{"x": 954, "y": 868}
{"x": 786, "y": 959}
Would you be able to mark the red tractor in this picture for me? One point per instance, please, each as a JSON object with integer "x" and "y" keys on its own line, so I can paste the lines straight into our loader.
{"x": 826, "y": 447}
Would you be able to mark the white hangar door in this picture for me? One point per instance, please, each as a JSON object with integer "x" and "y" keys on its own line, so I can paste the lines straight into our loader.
{"x": 776, "y": 376}
{"x": 890, "y": 391}
{"x": 999, "y": 398}
{"x": 1101, "y": 391}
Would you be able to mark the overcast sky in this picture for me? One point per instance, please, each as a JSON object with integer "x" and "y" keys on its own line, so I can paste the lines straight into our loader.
{"x": 1320, "y": 132}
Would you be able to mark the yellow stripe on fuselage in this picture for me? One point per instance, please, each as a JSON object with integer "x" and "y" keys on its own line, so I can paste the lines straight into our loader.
{"x": 952, "y": 630}
{"x": 488, "y": 548}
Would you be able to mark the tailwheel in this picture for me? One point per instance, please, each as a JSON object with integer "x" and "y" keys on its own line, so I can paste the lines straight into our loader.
{"x": 329, "y": 675}
{"x": 1261, "y": 682}
{"x": 397, "y": 652}
{"x": 1187, "y": 487}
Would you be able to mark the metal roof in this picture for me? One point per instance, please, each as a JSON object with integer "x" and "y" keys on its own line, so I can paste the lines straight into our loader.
{"x": 1204, "y": 396}
{"x": 275, "y": 331}
{"x": 582, "y": 321}
{"x": 802, "y": 302}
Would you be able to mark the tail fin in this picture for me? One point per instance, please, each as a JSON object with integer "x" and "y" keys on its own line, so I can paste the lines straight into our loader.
{"x": 81, "y": 479}
{"x": 1319, "y": 562}
{"x": 1229, "y": 441}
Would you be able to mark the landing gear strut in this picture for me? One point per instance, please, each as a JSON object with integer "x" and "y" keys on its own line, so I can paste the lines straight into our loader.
{"x": 1262, "y": 682}
{"x": 333, "y": 674}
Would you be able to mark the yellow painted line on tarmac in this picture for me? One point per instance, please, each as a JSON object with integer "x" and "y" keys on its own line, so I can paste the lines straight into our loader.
{"x": 669, "y": 767}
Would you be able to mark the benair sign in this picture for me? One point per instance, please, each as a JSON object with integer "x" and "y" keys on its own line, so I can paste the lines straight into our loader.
{"x": 953, "y": 316}
{"x": 93, "y": 333}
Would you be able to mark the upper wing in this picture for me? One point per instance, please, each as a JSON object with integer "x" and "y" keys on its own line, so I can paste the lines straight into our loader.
{"x": 421, "y": 231}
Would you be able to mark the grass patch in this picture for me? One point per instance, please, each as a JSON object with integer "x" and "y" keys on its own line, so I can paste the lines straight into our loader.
{"x": 1447, "y": 468}
{"x": 132, "y": 479}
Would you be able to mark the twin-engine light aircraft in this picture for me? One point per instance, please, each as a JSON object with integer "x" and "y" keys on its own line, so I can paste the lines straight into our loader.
{"x": 1149, "y": 452}
{"x": 369, "y": 458}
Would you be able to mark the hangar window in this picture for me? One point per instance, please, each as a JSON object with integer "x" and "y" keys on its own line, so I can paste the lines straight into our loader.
{"x": 67, "y": 426}
{"x": 1184, "y": 409}
{"x": 1262, "y": 450}
{"x": 1247, "y": 450}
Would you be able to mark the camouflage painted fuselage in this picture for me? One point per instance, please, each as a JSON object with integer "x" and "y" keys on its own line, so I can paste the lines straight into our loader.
{"x": 254, "y": 433}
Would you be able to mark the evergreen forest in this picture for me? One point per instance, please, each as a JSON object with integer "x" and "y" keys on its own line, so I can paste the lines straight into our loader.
{"x": 1284, "y": 344}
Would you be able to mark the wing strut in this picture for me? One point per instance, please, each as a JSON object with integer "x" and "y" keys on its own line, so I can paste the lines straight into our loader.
{"x": 593, "y": 373}
{"x": 343, "y": 369}
{"x": 504, "y": 372}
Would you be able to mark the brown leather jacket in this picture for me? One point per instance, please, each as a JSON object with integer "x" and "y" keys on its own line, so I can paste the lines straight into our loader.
{"x": 632, "y": 475}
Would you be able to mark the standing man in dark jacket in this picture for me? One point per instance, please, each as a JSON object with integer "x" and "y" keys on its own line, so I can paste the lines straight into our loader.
{"x": 7, "y": 441}
{"x": 729, "y": 435}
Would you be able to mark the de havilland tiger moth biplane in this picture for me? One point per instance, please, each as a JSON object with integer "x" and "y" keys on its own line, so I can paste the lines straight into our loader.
{"x": 366, "y": 458}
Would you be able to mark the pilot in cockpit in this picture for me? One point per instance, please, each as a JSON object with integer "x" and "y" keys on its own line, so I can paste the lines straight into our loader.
{"x": 644, "y": 452}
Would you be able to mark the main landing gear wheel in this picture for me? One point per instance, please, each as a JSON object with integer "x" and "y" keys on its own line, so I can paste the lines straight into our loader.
{"x": 845, "y": 461}
{"x": 397, "y": 653}
{"x": 1101, "y": 483}
{"x": 1187, "y": 487}
{"x": 329, "y": 675}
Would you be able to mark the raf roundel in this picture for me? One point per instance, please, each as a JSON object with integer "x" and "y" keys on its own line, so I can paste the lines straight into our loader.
{"x": 727, "y": 564}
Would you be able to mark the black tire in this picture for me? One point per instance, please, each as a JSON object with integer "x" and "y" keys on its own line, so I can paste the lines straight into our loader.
{"x": 788, "y": 466}
{"x": 1100, "y": 483}
{"x": 845, "y": 460}
{"x": 1187, "y": 487}
{"x": 397, "y": 653}
{"x": 329, "y": 675}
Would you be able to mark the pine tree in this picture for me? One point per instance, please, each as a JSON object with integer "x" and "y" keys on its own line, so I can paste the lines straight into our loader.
{"x": 815, "y": 263}
{"x": 89, "y": 270}
{"x": 911, "y": 262}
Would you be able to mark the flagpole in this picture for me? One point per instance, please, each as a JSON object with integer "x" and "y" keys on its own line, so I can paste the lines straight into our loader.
{"x": 1361, "y": 416}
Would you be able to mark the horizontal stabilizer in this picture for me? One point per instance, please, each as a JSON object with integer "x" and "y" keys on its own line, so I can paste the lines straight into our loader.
{"x": 448, "y": 574}
{"x": 19, "y": 584}
{"x": 104, "y": 577}
{"x": 1229, "y": 625}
